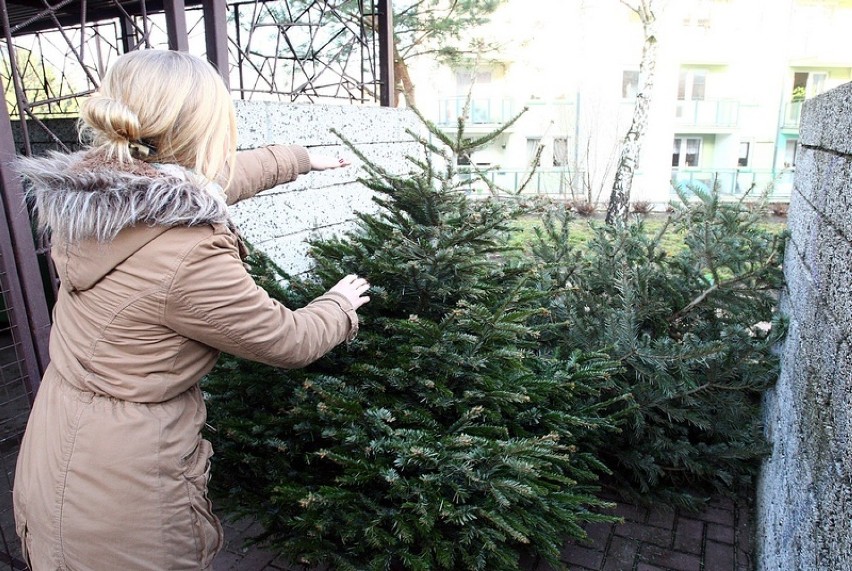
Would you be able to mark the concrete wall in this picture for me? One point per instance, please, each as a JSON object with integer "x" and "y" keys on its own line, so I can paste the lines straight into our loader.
{"x": 320, "y": 203}
{"x": 317, "y": 204}
{"x": 43, "y": 137}
{"x": 804, "y": 503}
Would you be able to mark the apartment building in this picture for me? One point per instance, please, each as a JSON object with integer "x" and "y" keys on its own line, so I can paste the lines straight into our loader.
{"x": 729, "y": 82}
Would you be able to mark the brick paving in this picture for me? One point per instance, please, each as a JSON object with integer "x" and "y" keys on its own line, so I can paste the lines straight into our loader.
{"x": 719, "y": 538}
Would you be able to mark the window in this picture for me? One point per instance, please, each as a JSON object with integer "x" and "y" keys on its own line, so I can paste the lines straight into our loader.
{"x": 686, "y": 152}
{"x": 790, "y": 150}
{"x": 463, "y": 159}
{"x": 560, "y": 151}
{"x": 465, "y": 78}
{"x": 808, "y": 84}
{"x": 533, "y": 143}
{"x": 629, "y": 84}
{"x": 742, "y": 160}
{"x": 691, "y": 88}
{"x": 692, "y": 84}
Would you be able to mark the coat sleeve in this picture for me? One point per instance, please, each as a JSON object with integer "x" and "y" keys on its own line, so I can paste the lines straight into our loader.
{"x": 266, "y": 167}
{"x": 213, "y": 300}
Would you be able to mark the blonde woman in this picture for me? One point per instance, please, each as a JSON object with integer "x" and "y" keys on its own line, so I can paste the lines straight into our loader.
{"x": 112, "y": 473}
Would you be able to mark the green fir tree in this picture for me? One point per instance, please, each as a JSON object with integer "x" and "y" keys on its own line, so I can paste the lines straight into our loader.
{"x": 441, "y": 437}
{"x": 694, "y": 332}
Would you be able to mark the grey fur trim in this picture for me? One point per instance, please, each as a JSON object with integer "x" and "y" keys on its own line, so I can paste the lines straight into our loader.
{"x": 77, "y": 198}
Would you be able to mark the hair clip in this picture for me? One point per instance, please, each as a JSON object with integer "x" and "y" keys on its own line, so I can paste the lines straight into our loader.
{"x": 141, "y": 150}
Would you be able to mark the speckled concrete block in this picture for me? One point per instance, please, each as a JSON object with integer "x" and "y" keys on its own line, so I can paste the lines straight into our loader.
{"x": 827, "y": 120}
{"x": 805, "y": 175}
{"x": 319, "y": 203}
{"x": 804, "y": 504}
{"x": 292, "y": 251}
{"x": 267, "y": 217}
{"x": 266, "y": 123}
{"x": 43, "y": 139}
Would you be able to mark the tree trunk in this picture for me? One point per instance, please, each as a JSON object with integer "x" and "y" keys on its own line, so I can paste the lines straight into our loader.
{"x": 403, "y": 84}
{"x": 619, "y": 200}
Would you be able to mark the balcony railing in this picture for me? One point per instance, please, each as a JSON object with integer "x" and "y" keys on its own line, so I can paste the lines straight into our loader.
{"x": 708, "y": 113}
{"x": 482, "y": 111}
{"x": 551, "y": 181}
{"x": 736, "y": 182}
{"x": 792, "y": 114}
{"x": 558, "y": 183}
{"x": 562, "y": 183}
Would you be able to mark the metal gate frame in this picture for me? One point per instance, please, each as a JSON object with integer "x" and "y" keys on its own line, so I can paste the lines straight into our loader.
{"x": 27, "y": 278}
{"x": 33, "y": 321}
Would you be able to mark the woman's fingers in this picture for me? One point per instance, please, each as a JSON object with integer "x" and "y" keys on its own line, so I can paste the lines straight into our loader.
{"x": 324, "y": 162}
{"x": 353, "y": 288}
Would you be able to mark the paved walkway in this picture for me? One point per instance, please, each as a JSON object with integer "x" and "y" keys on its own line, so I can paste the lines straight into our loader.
{"x": 660, "y": 539}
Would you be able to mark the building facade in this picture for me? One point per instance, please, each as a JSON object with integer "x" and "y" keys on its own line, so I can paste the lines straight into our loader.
{"x": 729, "y": 82}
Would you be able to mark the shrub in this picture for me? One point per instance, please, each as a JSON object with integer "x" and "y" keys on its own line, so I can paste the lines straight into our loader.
{"x": 641, "y": 207}
{"x": 779, "y": 208}
{"x": 584, "y": 208}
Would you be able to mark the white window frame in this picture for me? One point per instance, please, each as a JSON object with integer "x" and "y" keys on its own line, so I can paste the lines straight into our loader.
{"x": 686, "y": 84}
{"x": 629, "y": 84}
{"x": 560, "y": 155}
{"x": 791, "y": 149}
{"x": 743, "y": 159}
{"x": 682, "y": 144}
{"x": 533, "y": 144}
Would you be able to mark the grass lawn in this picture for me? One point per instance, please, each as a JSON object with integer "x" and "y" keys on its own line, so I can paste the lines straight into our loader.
{"x": 581, "y": 230}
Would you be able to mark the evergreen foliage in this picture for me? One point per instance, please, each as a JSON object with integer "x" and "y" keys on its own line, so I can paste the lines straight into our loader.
{"x": 441, "y": 437}
{"x": 694, "y": 334}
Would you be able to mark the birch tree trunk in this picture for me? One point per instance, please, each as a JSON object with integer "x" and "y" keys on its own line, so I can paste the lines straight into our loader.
{"x": 619, "y": 200}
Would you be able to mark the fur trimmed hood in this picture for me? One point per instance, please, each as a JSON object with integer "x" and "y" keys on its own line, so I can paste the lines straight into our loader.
{"x": 85, "y": 202}
{"x": 81, "y": 196}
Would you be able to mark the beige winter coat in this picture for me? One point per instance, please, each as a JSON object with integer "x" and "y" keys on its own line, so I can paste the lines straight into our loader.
{"x": 112, "y": 473}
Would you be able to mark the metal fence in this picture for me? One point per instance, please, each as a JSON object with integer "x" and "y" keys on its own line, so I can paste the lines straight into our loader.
{"x": 565, "y": 183}
{"x": 53, "y": 54}
{"x": 754, "y": 184}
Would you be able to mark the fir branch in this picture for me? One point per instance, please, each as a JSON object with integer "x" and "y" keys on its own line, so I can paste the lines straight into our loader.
{"x": 678, "y": 316}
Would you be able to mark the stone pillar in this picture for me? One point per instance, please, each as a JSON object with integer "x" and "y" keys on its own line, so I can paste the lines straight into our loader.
{"x": 804, "y": 499}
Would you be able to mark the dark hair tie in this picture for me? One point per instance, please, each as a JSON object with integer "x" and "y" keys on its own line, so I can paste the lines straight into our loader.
{"x": 141, "y": 149}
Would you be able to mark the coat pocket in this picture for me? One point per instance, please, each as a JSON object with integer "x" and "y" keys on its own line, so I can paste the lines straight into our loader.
{"x": 207, "y": 531}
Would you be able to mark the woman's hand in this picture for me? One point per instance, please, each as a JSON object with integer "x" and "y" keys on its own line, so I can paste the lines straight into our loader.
{"x": 325, "y": 162}
{"x": 353, "y": 289}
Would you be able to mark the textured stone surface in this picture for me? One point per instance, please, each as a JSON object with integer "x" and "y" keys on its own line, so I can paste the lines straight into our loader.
{"x": 268, "y": 122}
{"x": 318, "y": 204}
{"x": 804, "y": 515}
{"x": 827, "y": 121}
{"x": 270, "y": 216}
{"x": 291, "y": 253}
{"x": 65, "y": 130}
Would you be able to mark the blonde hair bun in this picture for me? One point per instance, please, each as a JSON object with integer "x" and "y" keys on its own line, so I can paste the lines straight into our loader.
{"x": 109, "y": 121}
{"x": 170, "y": 103}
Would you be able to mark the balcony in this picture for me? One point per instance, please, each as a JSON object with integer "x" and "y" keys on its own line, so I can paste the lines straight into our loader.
{"x": 792, "y": 115}
{"x": 708, "y": 115}
{"x": 484, "y": 114}
{"x": 734, "y": 183}
{"x": 554, "y": 182}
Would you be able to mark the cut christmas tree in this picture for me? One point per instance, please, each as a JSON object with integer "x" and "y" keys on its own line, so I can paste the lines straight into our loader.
{"x": 441, "y": 437}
